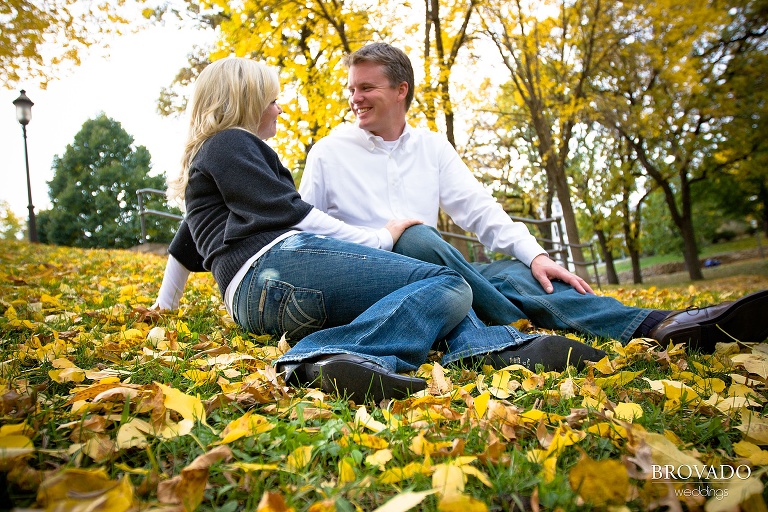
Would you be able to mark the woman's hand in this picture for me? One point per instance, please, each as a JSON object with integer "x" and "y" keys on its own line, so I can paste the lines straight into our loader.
{"x": 397, "y": 226}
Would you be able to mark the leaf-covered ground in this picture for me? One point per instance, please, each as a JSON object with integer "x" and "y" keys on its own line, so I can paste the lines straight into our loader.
{"x": 106, "y": 405}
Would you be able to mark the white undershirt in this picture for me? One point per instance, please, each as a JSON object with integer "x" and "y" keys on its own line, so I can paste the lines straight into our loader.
{"x": 176, "y": 275}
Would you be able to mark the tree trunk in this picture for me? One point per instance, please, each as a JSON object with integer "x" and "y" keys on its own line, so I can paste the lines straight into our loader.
{"x": 637, "y": 272}
{"x": 610, "y": 267}
{"x": 563, "y": 194}
{"x": 556, "y": 175}
{"x": 763, "y": 198}
{"x": 632, "y": 234}
{"x": 691, "y": 250}
{"x": 682, "y": 217}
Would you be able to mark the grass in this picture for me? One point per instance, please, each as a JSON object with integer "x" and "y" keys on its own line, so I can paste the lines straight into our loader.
{"x": 183, "y": 411}
{"x": 709, "y": 251}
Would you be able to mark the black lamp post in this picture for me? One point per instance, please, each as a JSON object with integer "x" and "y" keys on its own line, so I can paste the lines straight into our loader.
{"x": 24, "y": 116}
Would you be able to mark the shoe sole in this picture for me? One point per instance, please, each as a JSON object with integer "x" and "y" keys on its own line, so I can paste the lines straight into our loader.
{"x": 358, "y": 382}
{"x": 555, "y": 353}
{"x": 736, "y": 323}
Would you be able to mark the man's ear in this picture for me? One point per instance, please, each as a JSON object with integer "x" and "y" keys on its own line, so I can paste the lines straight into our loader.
{"x": 402, "y": 90}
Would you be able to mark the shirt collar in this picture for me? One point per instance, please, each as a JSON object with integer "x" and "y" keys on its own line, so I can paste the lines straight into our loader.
{"x": 373, "y": 139}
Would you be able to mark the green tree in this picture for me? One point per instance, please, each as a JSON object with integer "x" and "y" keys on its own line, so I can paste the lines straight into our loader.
{"x": 673, "y": 93}
{"x": 551, "y": 50}
{"x": 593, "y": 167}
{"x": 11, "y": 226}
{"x": 659, "y": 235}
{"x": 745, "y": 81}
{"x": 93, "y": 190}
{"x": 39, "y": 36}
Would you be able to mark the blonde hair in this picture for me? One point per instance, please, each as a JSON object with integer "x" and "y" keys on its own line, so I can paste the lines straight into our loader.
{"x": 229, "y": 93}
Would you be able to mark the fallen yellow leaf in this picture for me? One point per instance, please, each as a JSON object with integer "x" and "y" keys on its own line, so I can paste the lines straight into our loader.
{"x": 273, "y": 502}
{"x": 460, "y": 503}
{"x": 755, "y": 428}
{"x": 379, "y": 458}
{"x": 130, "y": 435}
{"x": 83, "y": 489}
{"x": 248, "y": 424}
{"x": 190, "y": 407}
{"x": 600, "y": 483}
{"x": 665, "y": 453}
{"x": 299, "y": 458}
{"x": 404, "y": 501}
{"x": 365, "y": 440}
{"x": 346, "y": 471}
{"x": 448, "y": 479}
{"x": 362, "y": 417}
{"x": 394, "y": 475}
{"x": 755, "y": 363}
{"x": 627, "y": 411}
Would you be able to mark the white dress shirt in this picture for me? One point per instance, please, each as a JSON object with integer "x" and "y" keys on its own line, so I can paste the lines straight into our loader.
{"x": 352, "y": 175}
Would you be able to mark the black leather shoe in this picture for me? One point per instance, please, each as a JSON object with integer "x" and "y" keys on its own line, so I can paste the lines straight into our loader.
{"x": 555, "y": 353}
{"x": 743, "y": 320}
{"x": 354, "y": 377}
{"x": 299, "y": 375}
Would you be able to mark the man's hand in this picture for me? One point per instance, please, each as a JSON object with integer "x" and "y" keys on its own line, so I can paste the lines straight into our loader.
{"x": 545, "y": 270}
{"x": 397, "y": 226}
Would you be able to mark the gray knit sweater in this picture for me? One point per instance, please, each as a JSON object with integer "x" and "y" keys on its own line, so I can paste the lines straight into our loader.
{"x": 239, "y": 199}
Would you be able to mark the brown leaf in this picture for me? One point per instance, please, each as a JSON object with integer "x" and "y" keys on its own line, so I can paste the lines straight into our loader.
{"x": 187, "y": 488}
{"x": 440, "y": 384}
{"x": 639, "y": 465}
{"x": 99, "y": 447}
{"x": 18, "y": 405}
{"x": 87, "y": 428}
{"x": 25, "y": 477}
{"x": 157, "y": 402}
{"x": 145, "y": 315}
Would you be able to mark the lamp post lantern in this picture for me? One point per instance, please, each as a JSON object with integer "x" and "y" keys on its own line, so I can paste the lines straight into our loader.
{"x": 24, "y": 116}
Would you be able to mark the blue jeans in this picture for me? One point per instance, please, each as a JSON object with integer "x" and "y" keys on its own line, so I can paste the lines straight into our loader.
{"x": 506, "y": 291}
{"x": 335, "y": 297}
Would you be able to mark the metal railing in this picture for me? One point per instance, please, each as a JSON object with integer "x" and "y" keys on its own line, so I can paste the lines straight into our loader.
{"x": 143, "y": 212}
{"x": 558, "y": 249}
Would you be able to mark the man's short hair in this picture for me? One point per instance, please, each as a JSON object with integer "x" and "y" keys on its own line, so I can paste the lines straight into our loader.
{"x": 397, "y": 65}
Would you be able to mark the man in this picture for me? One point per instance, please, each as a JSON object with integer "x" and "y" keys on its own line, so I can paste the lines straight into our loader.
{"x": 382, "y": 168}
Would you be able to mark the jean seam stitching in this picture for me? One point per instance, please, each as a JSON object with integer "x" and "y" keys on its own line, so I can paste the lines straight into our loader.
{"x": 572, "y": 324}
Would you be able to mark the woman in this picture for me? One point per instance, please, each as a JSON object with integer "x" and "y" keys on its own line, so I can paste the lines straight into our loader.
{"x": 359, "y": 314}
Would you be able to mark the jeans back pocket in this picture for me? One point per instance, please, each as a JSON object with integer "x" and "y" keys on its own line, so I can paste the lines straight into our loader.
{"x": 290, "y": 310}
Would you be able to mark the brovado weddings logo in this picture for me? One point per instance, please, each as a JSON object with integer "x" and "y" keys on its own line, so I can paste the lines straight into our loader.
{"x": 700, "y": 476}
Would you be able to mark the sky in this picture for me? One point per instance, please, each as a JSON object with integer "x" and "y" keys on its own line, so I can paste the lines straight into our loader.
{"x": 124, "y": 85}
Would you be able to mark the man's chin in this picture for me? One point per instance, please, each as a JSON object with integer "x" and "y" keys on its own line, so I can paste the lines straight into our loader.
{"x": 369, "y": 127}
